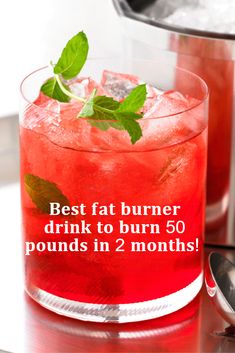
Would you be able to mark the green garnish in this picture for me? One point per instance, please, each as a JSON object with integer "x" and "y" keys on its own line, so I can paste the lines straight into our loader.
{"x": 42, "y": 192}
{"x": 73, "y": 57}
{"x": 88, "y": 108}
{"x": 52, "y": 89}
{"x": 100, "y": 111}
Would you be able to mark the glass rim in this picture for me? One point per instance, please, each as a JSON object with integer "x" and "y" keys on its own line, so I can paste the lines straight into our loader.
{"x": 178, "y": 113}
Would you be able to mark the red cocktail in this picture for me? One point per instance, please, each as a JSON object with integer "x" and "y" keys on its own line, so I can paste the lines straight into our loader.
{"x": 212, "y": 60}
{"x": 145, "y": 271}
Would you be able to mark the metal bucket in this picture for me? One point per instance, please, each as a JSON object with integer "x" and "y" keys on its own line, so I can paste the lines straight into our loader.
{"x": 211, "y": 56}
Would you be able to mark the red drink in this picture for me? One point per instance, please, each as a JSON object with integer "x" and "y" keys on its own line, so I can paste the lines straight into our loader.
{"x": 212, "y": 60}
{"x": 165, "y": 168}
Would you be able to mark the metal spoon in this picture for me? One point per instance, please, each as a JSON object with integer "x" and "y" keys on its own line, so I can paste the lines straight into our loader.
{"x": 220, "y": 284}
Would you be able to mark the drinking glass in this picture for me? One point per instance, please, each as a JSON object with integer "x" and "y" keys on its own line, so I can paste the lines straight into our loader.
{"x": 150, "y": 264}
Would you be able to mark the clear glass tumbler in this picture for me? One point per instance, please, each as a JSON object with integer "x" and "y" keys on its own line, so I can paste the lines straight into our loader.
{"x": 146, "y": 261}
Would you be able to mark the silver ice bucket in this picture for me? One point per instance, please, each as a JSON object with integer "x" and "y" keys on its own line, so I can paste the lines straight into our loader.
{"x": 211, "y": 56}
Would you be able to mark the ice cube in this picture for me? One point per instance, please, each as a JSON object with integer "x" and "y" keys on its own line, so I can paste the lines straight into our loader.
{"x": 53, "y": 119}
{"x": 178, "y": 166}
{"x": 83, "y": 87}
{"x": 79, "y": 88}
{"x": 44, "y": 108}
{"x": 172, "y": 165}
{"x": 171, "y": 120}
{"x": 207, "y": 15}
{"x": 167, "y": 103}
{"x": 152, "y": 98}
{"x": 118, "y": 85}
{"x": 59, "y": 122}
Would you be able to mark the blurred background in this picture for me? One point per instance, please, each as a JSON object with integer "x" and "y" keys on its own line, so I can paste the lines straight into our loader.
{"x": 33, "y": 33}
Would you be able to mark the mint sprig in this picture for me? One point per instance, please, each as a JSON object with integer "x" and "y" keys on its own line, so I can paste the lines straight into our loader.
{"x": 100, "y": 111}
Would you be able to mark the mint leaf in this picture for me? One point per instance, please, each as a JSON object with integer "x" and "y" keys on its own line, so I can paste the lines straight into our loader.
{"x": 102, "y": 125}
{"x": 101, "y": 113}
{"x": 88, "y": 109}
{"x": 42, "y": 192}
{"x": 130, "y": 125}
{"x": 129, "y": 115}
{"x": 106, "y": 102}
{"x": 135, "y": 100}
{"x": 104, "y": 108}
{"x": 73, "y": 57}
{"x": 116, "y": 125}
{"x": 105, "y": 125}
{"x": 52, "y": 89}
{"x": 94, "y": 107}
